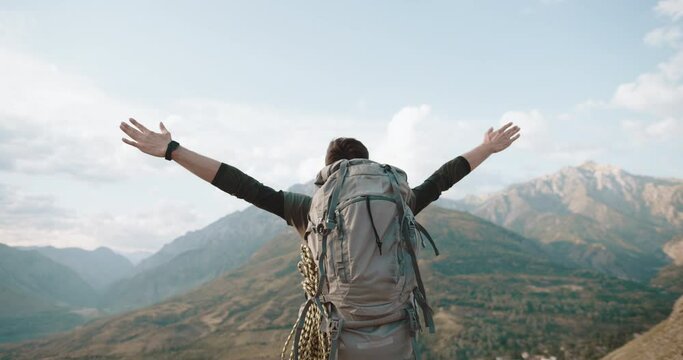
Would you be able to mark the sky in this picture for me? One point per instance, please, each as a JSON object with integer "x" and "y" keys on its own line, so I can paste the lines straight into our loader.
{"x": 265, "y": 85}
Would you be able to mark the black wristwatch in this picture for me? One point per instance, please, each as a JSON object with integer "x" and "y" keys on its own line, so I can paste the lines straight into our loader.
{"x": 171, "y": 146}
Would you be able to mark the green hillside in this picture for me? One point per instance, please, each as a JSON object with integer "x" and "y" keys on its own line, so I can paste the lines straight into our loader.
{"x": 99, "y": 268}
{"x": 38, "y": 296}
{"x": 664, "y": 341}
{"x": 40, "y": 277}
{"x": 193, "y": 259}
{"x": 495, "y": 293}
{"x": 670, "y": 278}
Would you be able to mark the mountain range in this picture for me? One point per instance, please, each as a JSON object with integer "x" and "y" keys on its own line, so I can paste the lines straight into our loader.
{"x": 568, "y": 264}
{"x": 496, "y": 293}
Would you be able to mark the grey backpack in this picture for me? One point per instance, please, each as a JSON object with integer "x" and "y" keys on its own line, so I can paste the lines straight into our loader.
{"x": 364, "y": 285}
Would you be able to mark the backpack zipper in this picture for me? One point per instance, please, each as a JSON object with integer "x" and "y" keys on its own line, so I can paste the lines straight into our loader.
{"x": 354, "y": 199}
{"x": 372, "y": 222}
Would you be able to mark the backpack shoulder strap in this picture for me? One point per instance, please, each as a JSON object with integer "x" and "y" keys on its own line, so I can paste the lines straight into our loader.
{"x": 429, "y": 237}
{"x": 334, "y": 197}
{"x": 420, "y": 293}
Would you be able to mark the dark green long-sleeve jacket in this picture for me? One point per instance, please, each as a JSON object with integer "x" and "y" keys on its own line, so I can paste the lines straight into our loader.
{"x": 293, "y": 207}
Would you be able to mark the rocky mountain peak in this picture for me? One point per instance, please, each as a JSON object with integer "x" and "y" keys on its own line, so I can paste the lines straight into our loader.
{"x": 597, "y": 167}
{"x": 590, "y": 169}
{"x": 593, "y": 175}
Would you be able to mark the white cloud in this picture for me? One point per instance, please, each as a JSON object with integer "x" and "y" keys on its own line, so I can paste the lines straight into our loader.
{"x": 651, "y": 93}
{"x": 419, "y": 142}
{"x": 36, "y": 219}
{"x": 665, "y": 129}
{"x": 21, "y": 210}
{"x": 668, "y": 129}
{"x": 55, "y": 122}
{"x": 147, "y": 227}
{"x": 399, "y": 145}
{"x": 671, "y": 8}
{"x": 534, "y": 129}
{"x": 664, "y": 36}
{"x": 672, "y": 69}
{"x": 659, "y": 92}
{"x": 591, "y": 104}
{"x": 560, "y": 139}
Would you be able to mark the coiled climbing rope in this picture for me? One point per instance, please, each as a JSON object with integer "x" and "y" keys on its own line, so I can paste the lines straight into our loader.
{"x": 314, "y": 344}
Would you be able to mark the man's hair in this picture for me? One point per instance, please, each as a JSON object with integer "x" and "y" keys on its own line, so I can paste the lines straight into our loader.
{"x": 345, "y": 148}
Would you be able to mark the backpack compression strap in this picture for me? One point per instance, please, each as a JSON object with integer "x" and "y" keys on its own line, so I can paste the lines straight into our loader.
{"x": 420, "y": 293}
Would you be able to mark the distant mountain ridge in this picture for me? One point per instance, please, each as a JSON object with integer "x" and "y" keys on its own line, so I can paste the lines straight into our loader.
{"x": 38, "y": 295}
{"x": 99, "y": 268}
{"x": 39, "y": 276}
{"x": 195, "y": 258}
{"x": 597, "y": 215}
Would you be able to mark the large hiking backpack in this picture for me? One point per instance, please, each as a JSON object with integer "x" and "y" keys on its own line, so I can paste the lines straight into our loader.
{"x": 359, "y": 261}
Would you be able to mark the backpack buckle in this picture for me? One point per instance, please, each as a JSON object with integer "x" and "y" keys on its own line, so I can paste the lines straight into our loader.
{"x": 334, "y": 328}
{"x": 413, "y": 322}
{"x": 330, "y": 224}
{"x": 324, "y": 229}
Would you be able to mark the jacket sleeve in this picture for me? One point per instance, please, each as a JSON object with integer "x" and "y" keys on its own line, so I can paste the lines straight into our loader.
{"x": 296, "y": 211}
{"x": 234, "y": 182}
{"x": 441, "y": 180}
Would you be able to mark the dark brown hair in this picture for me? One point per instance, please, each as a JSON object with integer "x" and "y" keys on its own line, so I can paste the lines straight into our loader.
{"x": 345, "y": 148}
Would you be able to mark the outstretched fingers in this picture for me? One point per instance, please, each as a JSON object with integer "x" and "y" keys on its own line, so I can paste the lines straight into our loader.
{"x": 504, "y": 127}
{"x": 130, "y": 131}
{"x": 142, "y": 128}
{"x": 511, "y": 131}
{"x": 132, "y": 143}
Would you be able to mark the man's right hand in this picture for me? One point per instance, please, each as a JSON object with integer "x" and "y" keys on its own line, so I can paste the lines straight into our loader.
{"x": 149, "y": 142}
{"x": 502, "y": 138}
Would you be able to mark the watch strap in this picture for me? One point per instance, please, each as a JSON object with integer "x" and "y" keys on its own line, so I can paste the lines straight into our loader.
{"x": 172, "y": 145}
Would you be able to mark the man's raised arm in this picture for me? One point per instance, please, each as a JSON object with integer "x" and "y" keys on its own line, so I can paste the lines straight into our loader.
{"x": 225, "y": 177}
{"x": 454, "y": 170}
